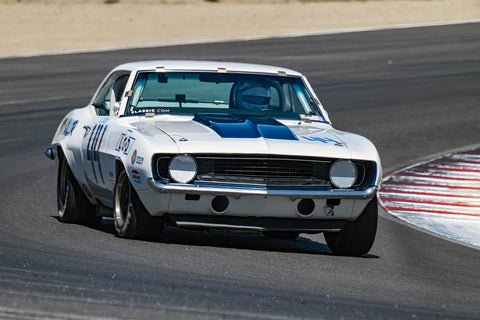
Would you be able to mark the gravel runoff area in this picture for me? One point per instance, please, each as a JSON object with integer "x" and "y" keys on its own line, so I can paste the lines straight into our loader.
{"x": 36, "y": 27}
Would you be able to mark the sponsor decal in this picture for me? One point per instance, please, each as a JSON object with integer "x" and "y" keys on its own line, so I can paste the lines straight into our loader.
{"x": 150, "y": 110}
{"x": 134, "y": 156}
{"x": 329, "y": 211}
{"x": 139, "y": 160}
{"x": 103, "y": 120}
{"x": 93, "y": 147}
{"x": 136, "y": 159}
{"x": 136, "y": 177}
{"x": 125, "y": 143}
{"x": 68, "y": 126}
{"x": 299, "y": 131}
{"x": 62, "y": 126}
{"x": 87, "y": 131}
{"x": 324, "y": 140}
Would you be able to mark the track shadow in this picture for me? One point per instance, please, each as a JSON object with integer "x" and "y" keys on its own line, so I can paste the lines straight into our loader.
{"x": 232, "y": 239}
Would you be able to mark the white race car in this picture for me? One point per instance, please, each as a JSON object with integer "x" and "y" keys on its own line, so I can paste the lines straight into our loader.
{"x": 205, "y": 145}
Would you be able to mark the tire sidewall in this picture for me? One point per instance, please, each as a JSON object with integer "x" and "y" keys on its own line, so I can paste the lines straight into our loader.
{"x": 66, "y": 198}
{"x": 135, "y": 222}
{"x": 357, "y": 237}
{"x": 125, "y": 224}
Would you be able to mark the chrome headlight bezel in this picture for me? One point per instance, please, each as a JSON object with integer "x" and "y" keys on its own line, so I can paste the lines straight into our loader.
{"x": 183, "y": 168}
{"x": 343, "y": 174}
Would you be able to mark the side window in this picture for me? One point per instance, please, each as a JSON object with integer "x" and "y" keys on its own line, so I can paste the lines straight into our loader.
{"x": 116, "y": 82}
{"x": 118, "y": 88}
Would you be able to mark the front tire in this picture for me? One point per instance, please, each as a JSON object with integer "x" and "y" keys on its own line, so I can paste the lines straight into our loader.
{"x": 131, "y": 218}
{"x": 357, "y": 237}
{"x": 73, "y": 205}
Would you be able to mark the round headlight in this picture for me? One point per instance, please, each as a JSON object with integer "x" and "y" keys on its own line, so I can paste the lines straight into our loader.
{"x": 183, "y": 168}
{"x": 343, "y": 174}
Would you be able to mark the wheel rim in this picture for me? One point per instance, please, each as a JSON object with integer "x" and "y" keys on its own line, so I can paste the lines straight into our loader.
{"x": 63, "y": 188}
{"x": 123, "y": 199}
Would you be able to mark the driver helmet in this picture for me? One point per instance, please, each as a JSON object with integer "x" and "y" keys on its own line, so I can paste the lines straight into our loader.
{"x": 254, "y": 95}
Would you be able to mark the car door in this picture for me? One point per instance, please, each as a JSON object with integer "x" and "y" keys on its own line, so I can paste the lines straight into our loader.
{"x": 99, "y": 164}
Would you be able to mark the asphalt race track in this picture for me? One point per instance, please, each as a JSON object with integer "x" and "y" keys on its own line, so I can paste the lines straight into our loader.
{"x": 414, "y": 92}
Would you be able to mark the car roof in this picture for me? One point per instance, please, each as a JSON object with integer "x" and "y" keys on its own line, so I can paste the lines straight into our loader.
{"x": 217, "y": 66}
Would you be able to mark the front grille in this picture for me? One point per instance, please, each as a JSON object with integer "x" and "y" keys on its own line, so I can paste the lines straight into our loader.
{"x": 264, "y": 170}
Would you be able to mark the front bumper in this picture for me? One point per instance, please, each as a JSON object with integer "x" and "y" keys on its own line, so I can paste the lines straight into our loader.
{"x": 250, "y": 202}
{"x": 234, "y": 191}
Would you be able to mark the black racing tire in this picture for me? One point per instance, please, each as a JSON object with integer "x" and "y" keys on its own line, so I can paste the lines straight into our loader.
{"x": 73, "y": 204}
{"x": 131, "y": 219}
{"x": 357, "y": 237}
{"x": 286, "y": 235}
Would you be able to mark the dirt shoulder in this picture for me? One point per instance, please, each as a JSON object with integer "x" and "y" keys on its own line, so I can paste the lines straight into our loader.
{"x": 32, "y": 28}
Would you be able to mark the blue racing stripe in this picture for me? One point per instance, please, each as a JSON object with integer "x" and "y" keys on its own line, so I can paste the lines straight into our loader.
{"x": 245, "y": 126}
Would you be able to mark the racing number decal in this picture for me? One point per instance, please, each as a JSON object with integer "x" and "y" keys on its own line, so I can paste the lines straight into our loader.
{"x": 94, "y": 143}
{"x": 125, "y": 143}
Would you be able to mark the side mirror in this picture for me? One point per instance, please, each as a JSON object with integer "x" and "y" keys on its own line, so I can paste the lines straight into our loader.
{"x": 113, "y": 105}
{"x": 115, "y": 109}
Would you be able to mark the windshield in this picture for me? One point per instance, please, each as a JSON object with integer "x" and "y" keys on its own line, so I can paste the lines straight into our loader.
{"x": 199, "y": 92}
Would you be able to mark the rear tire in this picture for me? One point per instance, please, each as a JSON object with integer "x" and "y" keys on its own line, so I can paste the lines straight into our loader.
{"x": 73, "y": 205}
{"x": 357, "y": 237}
{"x": 131, "y": 218}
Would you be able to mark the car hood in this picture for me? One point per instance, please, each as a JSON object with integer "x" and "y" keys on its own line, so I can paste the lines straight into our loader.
{"x": 213, "y": 133}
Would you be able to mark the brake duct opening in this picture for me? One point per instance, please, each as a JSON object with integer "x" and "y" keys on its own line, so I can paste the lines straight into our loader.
{"x": 220, "y": 204}
{"x": 305, "y": 207}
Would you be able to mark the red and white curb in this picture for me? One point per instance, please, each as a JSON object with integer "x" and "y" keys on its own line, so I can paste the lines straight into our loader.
{"x": 441, "y": 195}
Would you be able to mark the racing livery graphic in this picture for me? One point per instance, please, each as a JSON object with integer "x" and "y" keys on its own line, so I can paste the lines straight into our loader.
{"x": 205, "y": 145}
